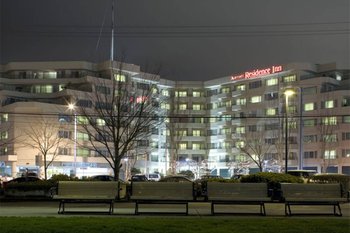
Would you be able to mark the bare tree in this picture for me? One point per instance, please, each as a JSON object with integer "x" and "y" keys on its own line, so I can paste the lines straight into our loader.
{"x": 255, "y": 147}
{"x": 123, "y": 109}
{"x": 43, "y": 135}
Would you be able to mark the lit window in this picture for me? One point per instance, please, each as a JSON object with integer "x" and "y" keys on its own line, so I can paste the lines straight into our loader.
{"x": 4, "y": 117}
{"x": 119, "y": 77}
{"x": 196, "y": 132}
{"x": 255, "y": 99}
{"x": 181, "y": 94}
{"x": 83, "y": 120}
{"x": 196, "y": 94}
{"x": 100, "y": 122}
{"x": 4, "y": 135}
{"x": 196, "y": 146}
{"x": 240, "y": 87}
{"x": 3, "y": 150}
{"x": 196, "y": 107}
{"x": 329, "y": 120}
{"x": 165, "y": 93}
{"x": 166, "y": 132}
{"x": 82, "y": 136}
{"x": 309, "y": 107}
{"x": 225, "y": 90}
{"x": 329, "y": 104}
{"x": 165, "y": 106}
{"x": 182, "y": 132}
{"x": 182, "y": 146}
{"x": 182, "y": 106}
{"x": 241, "y": 101}
{"x": 290, "y": 78}
{"x": 239, "y": 144}
{"x": 272, "y": 82}
{"x": 43, "y": 89}
{"x": 330, "y": 154}
{"x": 240, "y": 129}
{"x": 271, "y": 112}
{"x": 226, "y": 145}
{"x": 225, "y": 131}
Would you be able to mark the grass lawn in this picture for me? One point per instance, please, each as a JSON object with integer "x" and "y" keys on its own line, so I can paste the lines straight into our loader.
{"x": 169, "y": 224}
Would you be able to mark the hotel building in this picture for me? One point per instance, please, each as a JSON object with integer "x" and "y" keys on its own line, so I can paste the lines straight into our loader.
{"x": 209, "y": 125}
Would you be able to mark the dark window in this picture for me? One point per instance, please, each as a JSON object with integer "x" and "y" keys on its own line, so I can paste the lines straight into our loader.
{"x": 255, "y": 84}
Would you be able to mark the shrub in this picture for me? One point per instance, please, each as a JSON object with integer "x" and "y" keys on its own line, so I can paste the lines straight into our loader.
{"x": 187, "y": 173}
{"x": 223, "y": 180}
{"x": 31, "y": 186}
{"x": 344, "y": 180}
{"x": 61, "y": 177}
{"x": 272, "y": 179}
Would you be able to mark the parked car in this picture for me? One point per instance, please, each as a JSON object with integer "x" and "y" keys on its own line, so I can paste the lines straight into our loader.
{"x": 21, "y": 180}
{"x": 102, "y": 178}
{"x": 138, "y": 178}
{"x": 304, "y": 174}
{"x": 154, "y": 177}
{"x": 175, "y": 178}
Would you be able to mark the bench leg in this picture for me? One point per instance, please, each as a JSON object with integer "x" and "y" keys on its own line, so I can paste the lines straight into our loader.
{"x": 61, "y": 207}
{"x": 111, "y": 207}
{"x": 262, "y": 209}
{"x": 335, "y": 207}
{"x": 287, "y": 210}
{"x": 136, "y": 208}
{"x": 187, "y": 208}
{"x": 212, "y": 209}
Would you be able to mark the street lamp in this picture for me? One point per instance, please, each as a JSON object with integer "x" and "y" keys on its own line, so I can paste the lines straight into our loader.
{"x": 287, "y": 94}
{"x": 72, "y": 108}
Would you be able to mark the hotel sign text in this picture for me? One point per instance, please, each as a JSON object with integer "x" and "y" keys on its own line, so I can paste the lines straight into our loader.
{"x": 257, "y": 73}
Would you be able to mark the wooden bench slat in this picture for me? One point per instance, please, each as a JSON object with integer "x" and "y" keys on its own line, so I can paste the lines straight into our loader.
{"x": 86, "y": 192}
{"x": 312, "y": 194}
{"x": 237, "y": 193}
{"x": 162, "y": 193}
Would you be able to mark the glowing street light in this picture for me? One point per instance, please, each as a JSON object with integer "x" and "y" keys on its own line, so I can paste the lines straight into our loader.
{"x": 287, "y": 94}
{"x": 72, "y": 108}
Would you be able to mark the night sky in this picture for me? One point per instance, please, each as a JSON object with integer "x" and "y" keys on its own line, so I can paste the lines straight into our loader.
{"x": 189, "y": 39}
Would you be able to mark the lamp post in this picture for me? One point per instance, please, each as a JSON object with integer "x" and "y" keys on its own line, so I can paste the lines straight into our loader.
{"x": 72, "y": 108}
{"x": 287, "y": 94}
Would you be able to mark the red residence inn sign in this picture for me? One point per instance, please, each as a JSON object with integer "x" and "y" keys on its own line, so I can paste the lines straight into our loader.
{"x": 257, "y": 73}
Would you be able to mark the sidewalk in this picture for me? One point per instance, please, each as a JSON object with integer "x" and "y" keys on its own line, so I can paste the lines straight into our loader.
{"x": 49, "y": 209}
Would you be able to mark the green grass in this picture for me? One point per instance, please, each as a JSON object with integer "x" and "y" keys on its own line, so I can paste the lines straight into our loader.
{"x": 143, "y": 224}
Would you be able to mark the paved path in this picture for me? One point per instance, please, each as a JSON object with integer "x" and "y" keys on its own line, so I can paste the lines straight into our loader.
{"x": 49, "y": 208}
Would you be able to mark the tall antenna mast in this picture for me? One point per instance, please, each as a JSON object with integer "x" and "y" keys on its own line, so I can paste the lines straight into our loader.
{"x": 112, "y": 35}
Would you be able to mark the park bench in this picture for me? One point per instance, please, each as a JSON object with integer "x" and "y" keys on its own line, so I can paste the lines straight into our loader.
{"x": 86, "y": 192}
{"x": 238, "y": 194}
{"x": 162, "y": 193}
{"x": 312, "y": 194}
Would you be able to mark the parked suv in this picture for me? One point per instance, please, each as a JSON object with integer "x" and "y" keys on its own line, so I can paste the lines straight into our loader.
{"x": 303, "y": 174}
{"x": 154, "y": 177}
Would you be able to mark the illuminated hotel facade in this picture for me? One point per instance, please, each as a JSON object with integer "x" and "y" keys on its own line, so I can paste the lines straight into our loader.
{"x": 208, "y": 123}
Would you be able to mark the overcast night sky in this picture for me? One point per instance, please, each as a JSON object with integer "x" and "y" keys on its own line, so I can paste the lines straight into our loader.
{"x": 190, "y": 39}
